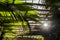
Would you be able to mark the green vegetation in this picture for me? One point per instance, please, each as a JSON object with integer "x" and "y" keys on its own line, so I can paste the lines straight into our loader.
{"x": 12, "y": 16}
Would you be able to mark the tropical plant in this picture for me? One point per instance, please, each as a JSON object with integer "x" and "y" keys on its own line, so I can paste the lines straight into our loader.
{"x": 14, "y": 14}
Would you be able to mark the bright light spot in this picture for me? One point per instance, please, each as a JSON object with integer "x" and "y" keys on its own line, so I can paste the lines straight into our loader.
{"x": 45, "y": 24}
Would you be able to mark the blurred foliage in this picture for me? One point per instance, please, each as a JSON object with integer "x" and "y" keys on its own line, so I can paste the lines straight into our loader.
{"x": 32, "y": 37}
{"x": 13, "y": 16}
{"x": 54, "y": 7}
{"x": 52, "y": 3}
